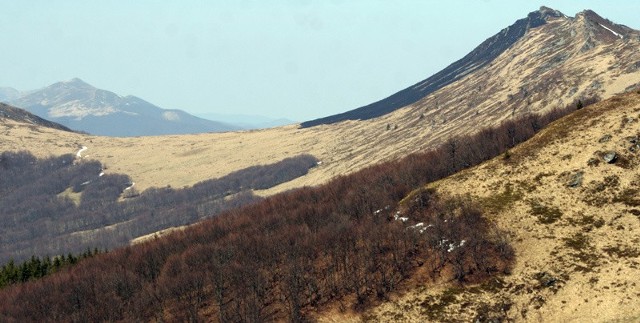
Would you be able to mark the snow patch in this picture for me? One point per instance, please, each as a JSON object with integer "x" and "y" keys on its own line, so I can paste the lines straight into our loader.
{"x": 613, "y": 32}
{"x": 170, "y": 116}
{"x": 397, "y": 217}
{"x": 79, "y": 153}
{"x": 453, "y": 246}
{"x": 79, "y": 110}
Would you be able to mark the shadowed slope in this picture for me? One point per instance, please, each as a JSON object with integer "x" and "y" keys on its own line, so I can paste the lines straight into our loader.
{"x": 20, "y": 115}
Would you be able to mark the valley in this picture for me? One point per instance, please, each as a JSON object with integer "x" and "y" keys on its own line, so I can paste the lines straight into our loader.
{"x": 503, "y": 188}
{"x": 504, "y": 89}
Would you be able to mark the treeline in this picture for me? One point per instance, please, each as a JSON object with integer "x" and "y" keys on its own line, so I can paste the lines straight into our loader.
{"x": 36, "y": 267}
{"x": 60, "y": 205}
{"x": 292, "y": 253}
{"x": 277, "y": 260}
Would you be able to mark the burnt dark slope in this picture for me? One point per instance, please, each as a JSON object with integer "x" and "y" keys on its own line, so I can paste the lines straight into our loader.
{"x": 16, "y": 114}
{"x": 482, "y": 55}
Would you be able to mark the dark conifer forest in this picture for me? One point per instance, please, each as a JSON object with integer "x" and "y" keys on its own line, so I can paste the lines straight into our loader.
{"x": 355, "y": 239}
{"x": 36, "y": 267}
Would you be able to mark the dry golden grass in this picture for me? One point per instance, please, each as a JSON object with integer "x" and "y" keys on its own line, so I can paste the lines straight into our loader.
{"x": 578, "y": 248}
{"x": 520, "y": 81}
{"x": 512, "y": 85}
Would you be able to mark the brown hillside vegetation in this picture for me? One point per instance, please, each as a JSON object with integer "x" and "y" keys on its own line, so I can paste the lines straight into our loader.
{"x": 65, "y": 204}
{"x": 572, "y": 213}
{"x": 349, "y": 241}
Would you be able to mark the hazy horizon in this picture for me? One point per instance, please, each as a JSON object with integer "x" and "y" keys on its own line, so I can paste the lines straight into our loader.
{"x": 298, "y": 60}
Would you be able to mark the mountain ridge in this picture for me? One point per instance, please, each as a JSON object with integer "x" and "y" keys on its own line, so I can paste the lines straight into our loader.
{"x": 78, "y": 105}
{"x": 547, "y": 69}
{"x": 599, "y": 30}
{"x": 8, "y": 93}
{"x": 480, "y": 56}
{"x": 20, "y": 115}
{"x": 555, "y": 65}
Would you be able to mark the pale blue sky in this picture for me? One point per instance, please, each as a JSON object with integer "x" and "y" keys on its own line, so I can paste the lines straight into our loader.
{"x": 295, "y": 59}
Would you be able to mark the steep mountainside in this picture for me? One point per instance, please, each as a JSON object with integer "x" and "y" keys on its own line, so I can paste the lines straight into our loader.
{"x": 81, "y": 106}
{"x": 551, "y": 66}
{"x": 14, "y": 114}
{"x": 585, "y": 31}
{"x": 568, "y": 199}
{"x": 482, "y": 55}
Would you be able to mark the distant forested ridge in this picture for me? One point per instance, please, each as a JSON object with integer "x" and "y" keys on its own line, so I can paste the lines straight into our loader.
{"x": 61, "y": 204}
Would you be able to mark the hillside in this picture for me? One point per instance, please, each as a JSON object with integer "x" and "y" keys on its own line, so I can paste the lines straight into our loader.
{"x": 7, "y": 94}
{"x": 328, "y": 252}
{"x": 294, "y": 253}
{"x": 482, "y": 55}
{"x": 12, "y": 114}
{"x": 563, "y": 38}
{"x": 563, "y": 202}
{"x": 67, "y": 204}
{"x": 572, "y": 215}
{"x": 550, "y": 66}
{"x": 80, "y": 106}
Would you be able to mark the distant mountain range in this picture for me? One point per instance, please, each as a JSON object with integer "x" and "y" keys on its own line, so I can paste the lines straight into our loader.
{"x": 8, "y": 94}
{"x": 80, "y": 106}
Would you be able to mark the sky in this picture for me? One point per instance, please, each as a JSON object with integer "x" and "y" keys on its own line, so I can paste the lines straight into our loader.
{"x": 295, "y": 59}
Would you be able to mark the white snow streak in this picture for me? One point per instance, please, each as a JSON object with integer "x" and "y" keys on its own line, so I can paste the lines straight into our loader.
{"x": 452, "y": 246}
{"x": 615, "y": 33}
{"x": 79, "y": 153}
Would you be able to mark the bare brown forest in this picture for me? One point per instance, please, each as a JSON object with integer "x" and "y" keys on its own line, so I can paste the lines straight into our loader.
{"x": 290, "y": 254}
{"x": 40, "y": 217}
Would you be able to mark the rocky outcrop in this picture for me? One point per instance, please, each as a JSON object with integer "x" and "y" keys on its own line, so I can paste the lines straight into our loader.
{"x": 610, "y": 157}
